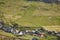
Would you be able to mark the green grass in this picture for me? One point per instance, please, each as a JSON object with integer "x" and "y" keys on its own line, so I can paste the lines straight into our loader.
{"x": 35, "y": 14}
{"x": 6, "y": 34}
{"x": 49, "y": 37}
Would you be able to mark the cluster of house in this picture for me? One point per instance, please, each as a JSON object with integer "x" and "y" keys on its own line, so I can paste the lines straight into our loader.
{"x": 40, "y": 32}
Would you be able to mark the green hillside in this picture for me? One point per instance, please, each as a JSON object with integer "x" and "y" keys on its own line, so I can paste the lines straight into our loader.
{"x": 27, "y": 13}
{"x": 31, "y": 14}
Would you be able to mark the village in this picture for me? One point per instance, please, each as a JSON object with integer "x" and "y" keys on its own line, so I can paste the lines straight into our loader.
{"x": 35, "y": 32}
{"x": 29, "y": 19}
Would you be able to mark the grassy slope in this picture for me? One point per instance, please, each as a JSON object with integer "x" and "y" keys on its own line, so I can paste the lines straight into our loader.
{"x": 30, "y": 13}
{"x": 35, "y": 14}
{"x": 6, "y": 34}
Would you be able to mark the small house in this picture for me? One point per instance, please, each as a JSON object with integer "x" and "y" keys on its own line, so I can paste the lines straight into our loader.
{"x": 58, "y": 34}
{"x": 13, "y": 31}
{"x": 20, "y": 33}
{"x": 7, "y": 29}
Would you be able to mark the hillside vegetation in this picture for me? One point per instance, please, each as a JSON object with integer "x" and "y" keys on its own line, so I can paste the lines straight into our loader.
{"x": 32, "y": 14}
